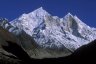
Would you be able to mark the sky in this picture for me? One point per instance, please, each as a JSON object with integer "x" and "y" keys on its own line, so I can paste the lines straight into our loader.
{"x": 84, "y": 9}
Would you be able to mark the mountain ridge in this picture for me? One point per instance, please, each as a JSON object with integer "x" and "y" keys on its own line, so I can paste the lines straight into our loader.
{"x": 50, "y": 33}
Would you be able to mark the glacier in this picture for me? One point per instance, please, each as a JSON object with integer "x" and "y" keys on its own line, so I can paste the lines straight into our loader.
{"x": 53, "y": 36}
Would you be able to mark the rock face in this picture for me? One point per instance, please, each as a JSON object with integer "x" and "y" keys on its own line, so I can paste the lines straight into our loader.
{"x": 50, "y": 33}
{"x": 54, "y": 33}
{"x": 6, "y": 56}
{"x": 10, "y": 51}
{"x": 42, "y": 35}
{"x": 84, "y": 54}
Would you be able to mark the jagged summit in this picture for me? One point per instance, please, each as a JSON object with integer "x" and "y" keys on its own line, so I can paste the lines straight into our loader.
{"x": 39, "y": 12}
{"x": 51, "y": 33}
{"x": 68, "y": 17}
{"x": 2, "y": 19}
{"x": 69, "y": 14}
{"x": 40, "y": 9}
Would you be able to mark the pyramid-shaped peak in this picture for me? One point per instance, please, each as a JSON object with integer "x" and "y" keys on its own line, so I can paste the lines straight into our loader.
{"x": 69, "y": 14}
{"x": 39, "y": 12}
{"x": 41, "y": 9}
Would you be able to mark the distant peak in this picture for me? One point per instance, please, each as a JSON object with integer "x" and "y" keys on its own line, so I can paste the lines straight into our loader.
{"x": 40, "y": 9}
{"x": 69, "y": 15}
{"x": 39, "y": 12}
{"x": 1, "y": 19}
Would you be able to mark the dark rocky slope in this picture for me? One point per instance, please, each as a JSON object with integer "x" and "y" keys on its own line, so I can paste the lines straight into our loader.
{"x": 85, "y": 54}
{"x": 13, "y": 53}
{"x": 10, "y": 51}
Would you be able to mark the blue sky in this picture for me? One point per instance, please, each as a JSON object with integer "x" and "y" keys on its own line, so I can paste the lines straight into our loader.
{"x": 84, "y": 9}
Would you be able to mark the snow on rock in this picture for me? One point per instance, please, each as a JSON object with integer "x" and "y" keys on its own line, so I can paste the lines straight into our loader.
{"x": 53, "y": 33}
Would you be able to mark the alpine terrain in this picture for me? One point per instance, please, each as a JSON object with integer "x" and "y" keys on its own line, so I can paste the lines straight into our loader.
{"x": 42, "y": 35}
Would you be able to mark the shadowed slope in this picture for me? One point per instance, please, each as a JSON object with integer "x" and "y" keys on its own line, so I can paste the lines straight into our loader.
{"x": 17, "y": 51}
{"x": 7, "y": 50}
{"x": 84, "y": 54}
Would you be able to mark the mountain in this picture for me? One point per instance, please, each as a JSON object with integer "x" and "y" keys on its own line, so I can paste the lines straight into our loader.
{"x": 52, "y": 32}
{"x": 9, "y": 55}
{"x": 42, "y": 35}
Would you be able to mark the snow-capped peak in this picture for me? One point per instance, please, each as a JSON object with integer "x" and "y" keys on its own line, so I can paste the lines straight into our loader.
{"x": 40, "y": 9}
{"x": 53, "y": 32}
{"x": 39, "y": 17}
{"x": 69, "y": 15}
{"x": 40, "y": 12}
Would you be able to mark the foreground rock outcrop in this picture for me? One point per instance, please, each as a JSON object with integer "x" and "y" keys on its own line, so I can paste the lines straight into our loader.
{"x": 10, "y": 51}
